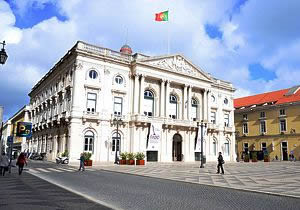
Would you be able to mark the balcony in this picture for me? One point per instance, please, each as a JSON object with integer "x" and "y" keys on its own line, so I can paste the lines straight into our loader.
{"x": 212, "y": 126}
{"x": 122, "y": 117}
{"x": 229, "y": 129}
{"x": 91, "y": 116}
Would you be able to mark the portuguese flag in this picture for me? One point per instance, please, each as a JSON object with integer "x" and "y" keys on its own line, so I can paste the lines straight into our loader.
{"x": 163, "y": 16}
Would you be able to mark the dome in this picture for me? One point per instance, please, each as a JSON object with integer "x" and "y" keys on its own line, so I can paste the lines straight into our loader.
{"x": 126, "y": 49}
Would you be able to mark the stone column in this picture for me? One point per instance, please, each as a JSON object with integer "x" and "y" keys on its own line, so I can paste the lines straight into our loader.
{"x": 142, "y": 95}
{"x": 205, "y": 104}
{"x": 189, "y": 98}
{"x": 184, "y": 103}
{"x": 209, "y": 105}
{"x": 167, "y": 99}
{"x": 162, "y": 98}
{"x": 136, "y": 93}
{"x": 77, "y": 94}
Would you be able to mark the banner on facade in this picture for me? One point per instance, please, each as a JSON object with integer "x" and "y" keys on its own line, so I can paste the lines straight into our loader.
{"x": 198, "y": 140}
{"x": 154, "y": 137}
{"x": 24, "y": 129}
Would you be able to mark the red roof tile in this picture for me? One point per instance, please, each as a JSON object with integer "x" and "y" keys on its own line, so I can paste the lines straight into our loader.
{"x": 278, "y": 97}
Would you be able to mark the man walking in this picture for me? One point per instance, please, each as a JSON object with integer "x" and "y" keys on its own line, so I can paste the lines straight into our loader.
{"x": 220, "y": 163}
{"x": 81, "y": 162}
{"x": 4, "y": 162}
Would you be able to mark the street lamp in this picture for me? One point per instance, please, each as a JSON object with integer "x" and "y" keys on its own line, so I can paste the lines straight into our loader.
{"x": 117, "y": 122}
{"x": 3, "y": 55}
{"x": 201, "y": 124}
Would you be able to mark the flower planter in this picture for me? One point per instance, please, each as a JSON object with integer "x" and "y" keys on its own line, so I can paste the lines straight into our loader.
{"x": 254, "y": 160}
{"x": 140, "y": 162}
{"x": 122, "y": 162}
{"x": 88, "y": 162}
{"x": 130, "y": 162}
{"x": 246, "y": 160}
{"x": 266, "y": 159}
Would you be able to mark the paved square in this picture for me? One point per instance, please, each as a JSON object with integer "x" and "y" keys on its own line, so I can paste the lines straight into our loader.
{"x": 281, "y": 178}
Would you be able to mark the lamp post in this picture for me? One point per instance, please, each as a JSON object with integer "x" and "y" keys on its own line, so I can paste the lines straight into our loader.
{"x": 201, "y": 124}
{"x": 117, "y": 122}
{"x": 3, "y": 55}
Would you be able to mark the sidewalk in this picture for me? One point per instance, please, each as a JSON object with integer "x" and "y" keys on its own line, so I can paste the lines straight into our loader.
{"x": 29, "y": 192}
{"x": 279, "y": 178}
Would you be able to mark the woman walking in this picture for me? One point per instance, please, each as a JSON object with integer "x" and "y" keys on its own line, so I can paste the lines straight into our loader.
{"x": 20, "y": 162}
{"x": 4, "y": 162}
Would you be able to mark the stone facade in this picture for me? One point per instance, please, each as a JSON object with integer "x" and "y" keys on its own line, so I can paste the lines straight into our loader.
{"x": 74, "y": 104}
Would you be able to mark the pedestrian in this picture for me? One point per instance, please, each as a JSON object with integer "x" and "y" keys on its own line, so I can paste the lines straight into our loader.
{"x": 4, "y": 162}
{"x": 81, "y": 162}
{"x": 220, "y": 163}
{"x": 21, "y": 162}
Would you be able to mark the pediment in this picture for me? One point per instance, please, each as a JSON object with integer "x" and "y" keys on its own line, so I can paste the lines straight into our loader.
{"x": 176, "y": 63}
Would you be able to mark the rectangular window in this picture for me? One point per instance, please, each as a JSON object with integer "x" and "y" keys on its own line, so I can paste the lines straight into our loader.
{"x": 194, "y": 112}
{"x": 114, "y": 145}
{"x": 262, "y": 115}
{"x": 226, "y": 149}
{"x": 226, "y": 120}
{"x": 214, "y": 148}
{"x": 173, "y": 111}
{"x": 148, "y": 107}
{"x": 213, "y": 117}
{"x": 263, "y": 126}
{"x": 88, "y": 144}
{"x": 245, "y": 128}
{"x": 245, "y": 117}
{"x": 118, "y": 104}
{"x": 282, "y": 112}
{"x": 282, "y": 125}
{"x": 263, "y": 146}
{"x": 246, "y": 147}
{"x": 91, "y": 102}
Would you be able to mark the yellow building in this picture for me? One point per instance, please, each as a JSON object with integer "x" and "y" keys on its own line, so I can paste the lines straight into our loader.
{"x": 269, "y": 122}
{"x": 20, "y": 144}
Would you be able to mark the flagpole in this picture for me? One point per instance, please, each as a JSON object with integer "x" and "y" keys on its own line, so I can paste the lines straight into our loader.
{"x": 168, "y": 33}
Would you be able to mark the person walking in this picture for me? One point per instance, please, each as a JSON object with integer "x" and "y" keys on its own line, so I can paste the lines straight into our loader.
{"x": 21, "y": 162}
{"x": 220, "y": 163}
{"x": 81, "y": 162}
{"x": 4, "y": 162}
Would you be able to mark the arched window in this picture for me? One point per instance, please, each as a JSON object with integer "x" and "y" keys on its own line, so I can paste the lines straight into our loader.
{"x": 194, "y": 109}
{"x": 149, "y": 103}
{"x": 93, "y": 74}
{"x": 116, "y": 139}
{"x": 173, "y": 107}
{"x": 89, "y": 141}
{"x": 214, "y": 148}
{"x": 119, "y": 80}
{"x": 226, "y": 148}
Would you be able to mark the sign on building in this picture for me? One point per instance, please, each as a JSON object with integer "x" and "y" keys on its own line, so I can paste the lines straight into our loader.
{"x": 154, "y": 137}
{"x": 24, "y": 129}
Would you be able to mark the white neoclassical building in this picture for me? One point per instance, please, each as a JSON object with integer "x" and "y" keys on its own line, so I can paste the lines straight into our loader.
{"x": 74, "y": 104}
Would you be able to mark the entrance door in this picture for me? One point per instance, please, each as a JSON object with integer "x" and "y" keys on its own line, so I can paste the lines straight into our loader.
{"x": 177, "y": 148}
{"x": 284, "y": 151}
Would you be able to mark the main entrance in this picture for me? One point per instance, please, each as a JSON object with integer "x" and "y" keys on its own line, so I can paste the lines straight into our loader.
{"x": 177, "y": 148}
{"x": 284, "y": 150}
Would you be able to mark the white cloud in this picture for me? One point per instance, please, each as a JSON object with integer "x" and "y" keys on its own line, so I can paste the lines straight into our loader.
{"x": 258, "y": 33}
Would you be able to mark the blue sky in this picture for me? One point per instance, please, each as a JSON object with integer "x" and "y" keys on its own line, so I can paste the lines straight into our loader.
{"x": 252, "y": 43}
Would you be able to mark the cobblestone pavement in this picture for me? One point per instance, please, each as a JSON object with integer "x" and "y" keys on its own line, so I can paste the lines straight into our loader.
{"x": 29, "y": 192}
{"x": 280, "y": 178}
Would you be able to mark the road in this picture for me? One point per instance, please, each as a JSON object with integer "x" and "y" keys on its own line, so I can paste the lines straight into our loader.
{"x": 124, "y": 191}
{"x": 28, "y": 192}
